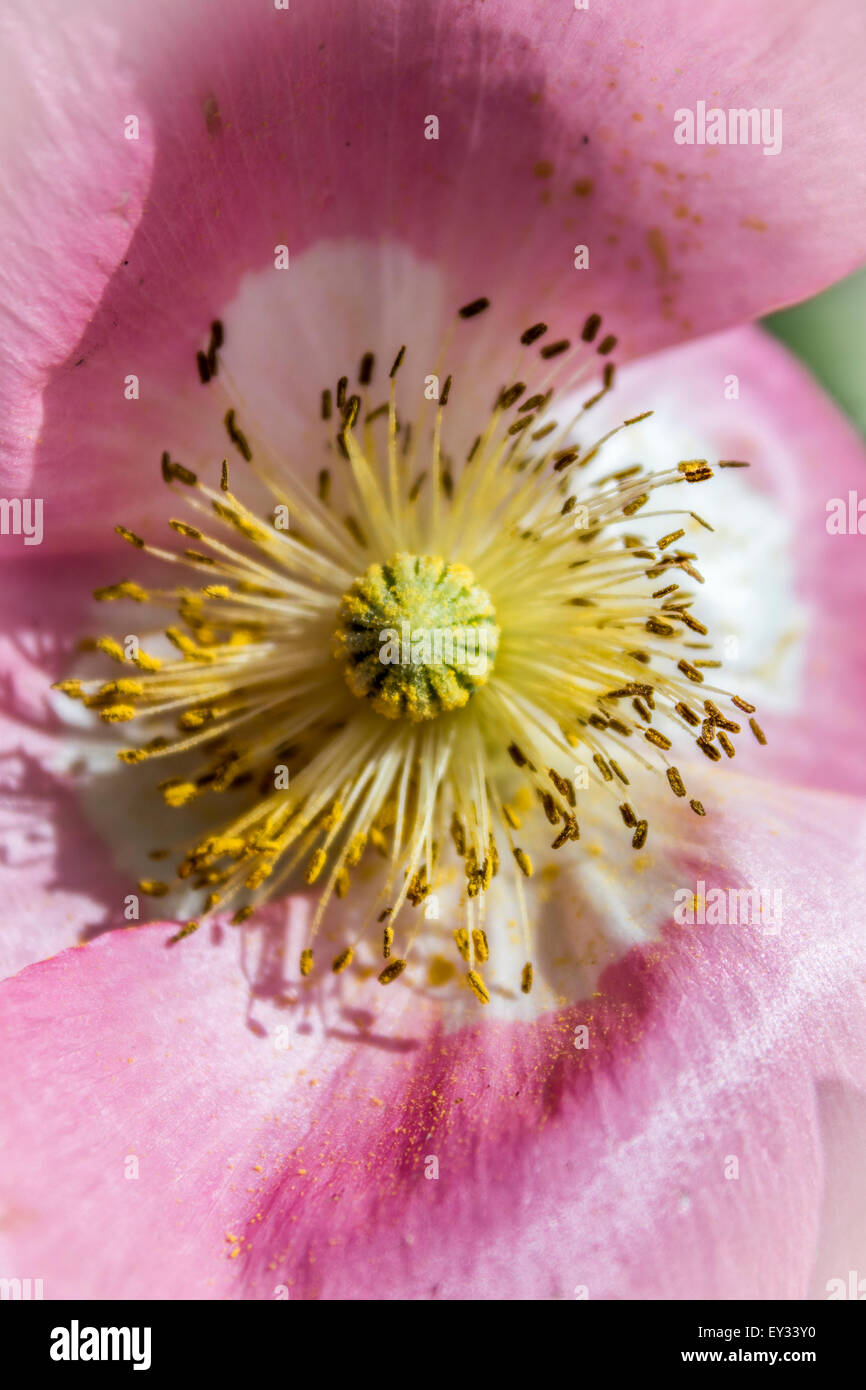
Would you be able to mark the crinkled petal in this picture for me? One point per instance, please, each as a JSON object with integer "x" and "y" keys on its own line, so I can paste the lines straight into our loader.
{"x": 166, "y": 1108}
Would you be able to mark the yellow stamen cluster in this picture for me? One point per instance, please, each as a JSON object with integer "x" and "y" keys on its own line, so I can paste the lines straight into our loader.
{"x": 331, "y": 763}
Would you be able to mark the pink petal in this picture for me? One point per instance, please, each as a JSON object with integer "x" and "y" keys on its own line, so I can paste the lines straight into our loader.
{"x": 556, "y": 130}
{"x": 841, "y": 1248}
{"x": 70, "y": 201}
{"x": 559, "y": 1170}
{"x": 57, "y": 882}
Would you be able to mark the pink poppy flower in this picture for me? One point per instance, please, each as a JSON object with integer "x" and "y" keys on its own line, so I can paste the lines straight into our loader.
{"x": 610, "y": 1085}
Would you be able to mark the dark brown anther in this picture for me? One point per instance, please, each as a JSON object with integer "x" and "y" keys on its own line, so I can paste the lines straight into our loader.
{"x": 555, "y": 349}
{"x": 477, "y": 306}
{"x": 690, "y": 672}
{"x": 639, "y": 838}
{"x": 532, "y": 334}
{"x": 237, "y": 436}
{"x": 511, "y": 394}
{"x": 602, "y": 767}
{"x": 175, "y": 472}
{"x": 216, "y": 342}
{"x": 518, "y": 757}
{"x": 563, "y": 786}
{"x": 635, "y": 504}
{"x": 677, "y": 785}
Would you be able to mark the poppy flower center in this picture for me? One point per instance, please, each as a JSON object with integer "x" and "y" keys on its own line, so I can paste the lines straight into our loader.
{"x": 416, "y": 636}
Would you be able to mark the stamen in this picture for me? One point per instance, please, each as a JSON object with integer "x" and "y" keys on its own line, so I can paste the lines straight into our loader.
{"x": 478, "y": 987}
{"x": 477, "y": 306}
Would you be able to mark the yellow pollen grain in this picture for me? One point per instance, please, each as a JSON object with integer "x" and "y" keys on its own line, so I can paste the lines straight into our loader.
{"x": 122, "y": 687}
{"x": 391, "y": 972}
{"x": 482, "y": 948}
{"x": 178, "y": 793}
{"x": 186, "y": 930}
{"x": 461, "y": 938}
{"x": 478, "y": 987}
{"x": 524, "y": 862}
{"x": 111, "y": 648}
{"x": 117, "y": 714}
{"x": 145, "y": 662}
{"x": 152, "y": 887}
{"x": 511, "y": 817}
{"x": 126, "y": 589}
{"x": 315, "y": 866}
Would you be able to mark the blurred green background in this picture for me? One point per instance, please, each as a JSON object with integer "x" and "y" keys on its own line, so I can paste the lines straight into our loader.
{"x": 827, "y": 333}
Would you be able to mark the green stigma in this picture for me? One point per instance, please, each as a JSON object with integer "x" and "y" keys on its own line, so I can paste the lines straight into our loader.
{"x": 416, "y": 637}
